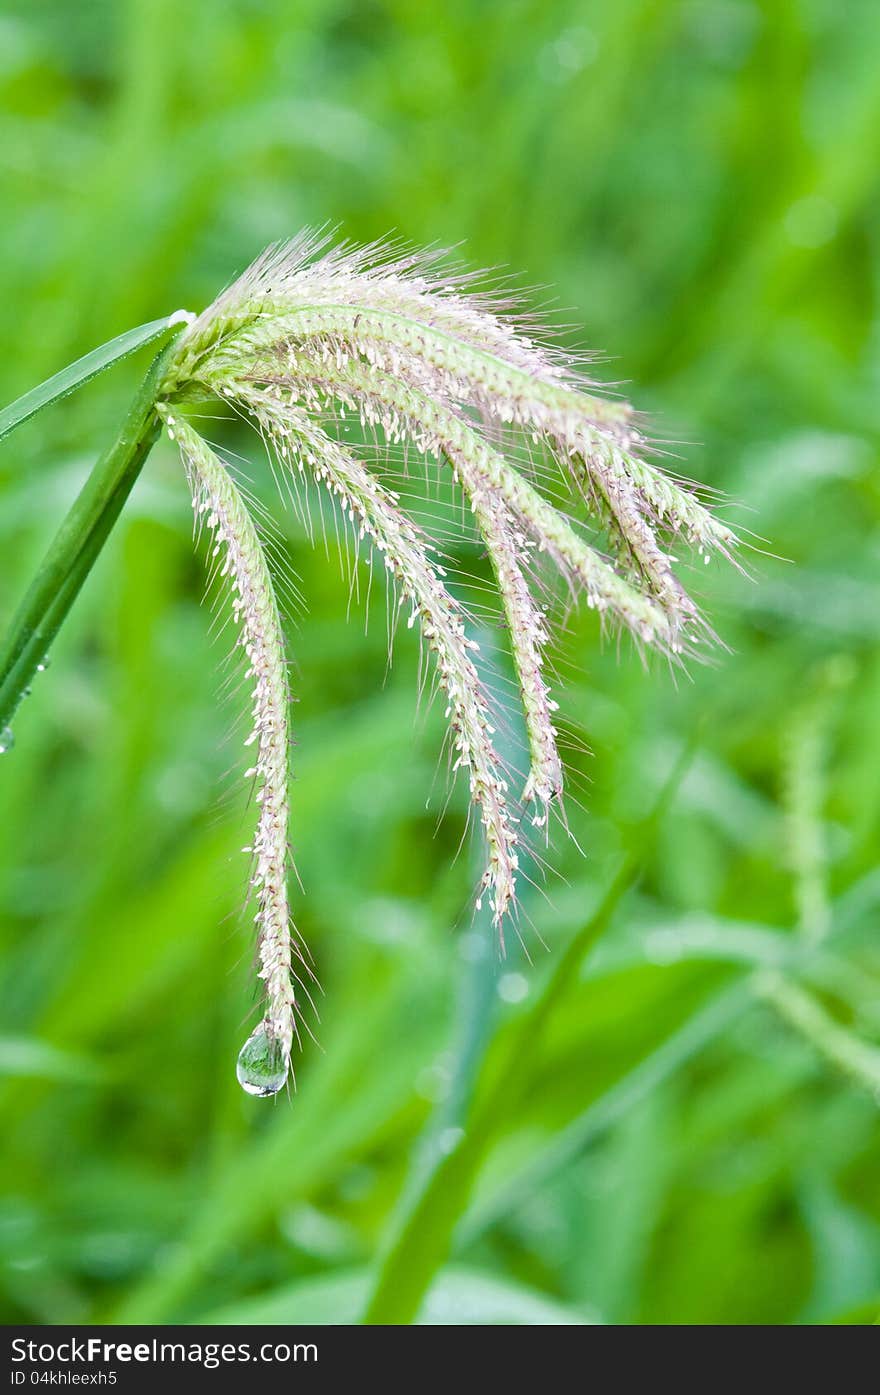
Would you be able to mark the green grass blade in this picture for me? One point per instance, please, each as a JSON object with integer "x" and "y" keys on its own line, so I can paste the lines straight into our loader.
{"x": 704, "y": 1026}
{"x": 75, "y": 375}
{"x": 427, "y": 1220}
{"x": 460, "y": 1296}
{"x": 78, "y": 542}
{"x": 29, "y": 1058}
{"x": 343, "y": 1105}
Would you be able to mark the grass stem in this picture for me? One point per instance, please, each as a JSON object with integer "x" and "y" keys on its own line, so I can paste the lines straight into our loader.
{"x": 77, "y": 544}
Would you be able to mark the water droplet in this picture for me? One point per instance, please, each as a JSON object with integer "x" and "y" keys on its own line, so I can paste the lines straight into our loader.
{"x": 262, "y": 1064}
{"x": 7, "y": 740}
{"x": 43, "y": 664}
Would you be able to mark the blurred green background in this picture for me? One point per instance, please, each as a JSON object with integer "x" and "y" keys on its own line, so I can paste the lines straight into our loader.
{"x": 669, "y": 1114}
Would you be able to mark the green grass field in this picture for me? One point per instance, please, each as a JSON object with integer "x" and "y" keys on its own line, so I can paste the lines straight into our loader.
{"x": 663, "y": 1107}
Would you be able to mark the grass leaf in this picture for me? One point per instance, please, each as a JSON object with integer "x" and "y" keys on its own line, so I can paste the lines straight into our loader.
{"x": 77, "y": 374}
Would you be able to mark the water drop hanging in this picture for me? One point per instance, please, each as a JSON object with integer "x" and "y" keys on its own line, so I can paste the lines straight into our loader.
{"x": 262, "y": 1063}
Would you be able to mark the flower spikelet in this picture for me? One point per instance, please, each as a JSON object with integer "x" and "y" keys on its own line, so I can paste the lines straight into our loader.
{"x": 304, "y": 446}
{"x": 241, "y": 562}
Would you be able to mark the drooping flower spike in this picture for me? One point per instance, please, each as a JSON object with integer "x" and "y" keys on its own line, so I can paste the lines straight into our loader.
{"x": 241, "y": 563}
{"x": 311, "y": 329}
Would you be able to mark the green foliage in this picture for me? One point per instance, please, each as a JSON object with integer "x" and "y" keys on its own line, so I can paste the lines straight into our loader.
{"x": 650, "y": 1131}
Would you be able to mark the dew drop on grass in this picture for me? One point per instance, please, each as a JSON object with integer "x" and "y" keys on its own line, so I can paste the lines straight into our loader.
{"x": 262, "y": 1064}
{"x": 43, "y": 664}
{"x": 7, "y": 740}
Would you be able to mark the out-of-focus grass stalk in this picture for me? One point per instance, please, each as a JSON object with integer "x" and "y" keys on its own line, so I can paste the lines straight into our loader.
{"x": 477, "y": 992}
{"x": 429, "y": 1214}
{"x": 856, "y": 1058}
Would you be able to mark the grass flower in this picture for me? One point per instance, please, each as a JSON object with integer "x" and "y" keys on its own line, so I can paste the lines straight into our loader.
{"x": 311, "y": 330}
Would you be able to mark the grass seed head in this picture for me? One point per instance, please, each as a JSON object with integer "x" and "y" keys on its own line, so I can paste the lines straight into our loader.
{"x": 427, "y": 360}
